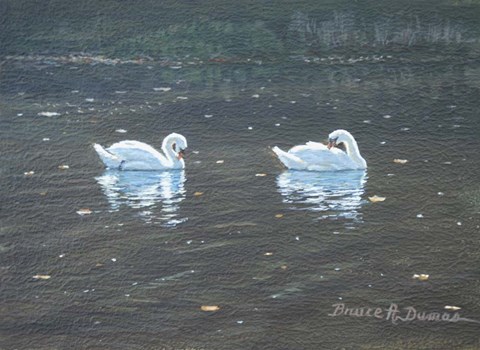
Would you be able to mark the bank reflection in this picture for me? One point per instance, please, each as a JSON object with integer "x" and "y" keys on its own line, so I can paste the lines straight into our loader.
{"x": 158, "y": 193}
{"x": 332, "y": 194}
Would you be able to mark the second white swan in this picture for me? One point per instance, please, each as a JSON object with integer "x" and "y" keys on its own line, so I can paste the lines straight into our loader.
{"x": 135, "y": 155}
{"x": 316, "y": 156}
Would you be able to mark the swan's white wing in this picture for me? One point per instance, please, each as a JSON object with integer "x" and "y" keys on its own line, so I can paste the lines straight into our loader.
{"x": 319, "y": 157}
{"x": 316, "y": 145}
{"x": 137, "y": 151}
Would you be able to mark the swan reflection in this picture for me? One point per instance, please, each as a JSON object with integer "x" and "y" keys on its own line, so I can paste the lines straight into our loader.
{"x": 146, "y": 190}
{"x": 334, "y": 194}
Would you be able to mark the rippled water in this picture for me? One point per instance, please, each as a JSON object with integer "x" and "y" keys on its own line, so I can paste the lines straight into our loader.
{"x": 274, "y": 252}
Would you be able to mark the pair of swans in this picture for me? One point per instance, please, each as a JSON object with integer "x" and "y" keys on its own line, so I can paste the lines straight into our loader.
{"x": 313, "y": 156}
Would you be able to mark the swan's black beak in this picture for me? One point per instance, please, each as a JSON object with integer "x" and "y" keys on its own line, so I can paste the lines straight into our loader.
{"x": 331, "y": 143}
{"x": 181, "y": 154}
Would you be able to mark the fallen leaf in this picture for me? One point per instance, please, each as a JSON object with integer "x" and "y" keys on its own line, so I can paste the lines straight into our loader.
{"x": 42, "y": 277}
{"x": 29, "y": 173}
{"x": 197, "y": 194}
{"x": 84, "y": 211}
{"x": 376, "y": 198}
{"x": 283, "y": 267}
{"x": 210, "y": 308}
{"x": 63, "y": 167}
{"x": 261, "y": 175}
{"x": 278, "y": 216}
{"x": 48, "y": 114}
{"x": 219, "y": 161}
{"x": 43, "y": 193}
{"x": 163, "y": 89}
{"x": 400, "y": 161}
{"x": 268, "y": 253}
{"x": 421, "y": 277}
{"x": 98, "y": 265}
{"x": 453, "y": 308}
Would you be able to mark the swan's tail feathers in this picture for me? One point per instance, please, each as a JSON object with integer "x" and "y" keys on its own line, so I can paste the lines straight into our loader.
{"x": 289, "y": 160}
{"x": 110, "y": 160}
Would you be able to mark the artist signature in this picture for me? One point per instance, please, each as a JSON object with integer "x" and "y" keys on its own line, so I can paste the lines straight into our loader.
{"x": 395, "y": 315}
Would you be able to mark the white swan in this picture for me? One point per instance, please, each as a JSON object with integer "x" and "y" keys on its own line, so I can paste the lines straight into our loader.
{"x": 318, "y": 157}
{"x": 135, "y": 155}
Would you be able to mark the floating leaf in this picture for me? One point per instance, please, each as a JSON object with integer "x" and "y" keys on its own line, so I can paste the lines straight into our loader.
{"x": 421, "y": 277}
{"x": 453, "y": 308}
{"x": 283, "y": 267}
{"x": 278, "y": 216}
{"x": 48, "y": 114}
{"x": 84, "y": 211}
{"x": 268, "y": 253}
{"x": 63, "y": 167}
{"x": 261, "y": 175}
{"x": 220, "y": 161}
{"x": 163, "y": 89}
{"x": 400, "y": 161}
{"x": 42, "y": 277}
{"x": 197, "y": 194}
{"x": 29, "y": 173}
{"x": 210, "y": 308}
{"x": 376, "y": 198}
{"x": 121, "y": 131}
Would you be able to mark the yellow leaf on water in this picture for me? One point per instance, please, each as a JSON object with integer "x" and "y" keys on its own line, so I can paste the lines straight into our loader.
{"x": 453, "y": 308}
{"x": 29, "y": 173}
{"x": 421, "y": 277}
{"x": 261, "y": 175}
{"x": 400, "y": 161}
{"x": 220, "y": 162}
{"x": 84, "y": 211}
{"x": 210, "y": 308}
{"x": 197, "y": 194}
{"x": 63, "y": 167}
{"x": 278, "y": 216}
{"x": 283, "y": 267}
{"x": 42, "y": 277}
{"x": 268, "y": 253}
{"x": 376, "y": 198}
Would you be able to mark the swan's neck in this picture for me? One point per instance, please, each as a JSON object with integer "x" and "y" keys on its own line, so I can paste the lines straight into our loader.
{"x": 353, "y": 152}
{"x": 167, "y": 147}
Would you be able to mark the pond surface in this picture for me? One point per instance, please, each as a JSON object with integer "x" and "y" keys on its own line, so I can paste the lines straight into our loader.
{"x": 273, "y": 249}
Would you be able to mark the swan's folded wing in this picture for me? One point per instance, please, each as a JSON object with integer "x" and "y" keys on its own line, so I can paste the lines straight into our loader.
{"x": 316, "y": 145}
{"x": 315, "y": 155}
{"x": 135, "y": 150}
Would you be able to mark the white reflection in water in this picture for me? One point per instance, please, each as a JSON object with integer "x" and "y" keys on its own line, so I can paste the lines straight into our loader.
{"x": 146, "y": 190}
{"x": 334, "y": 194}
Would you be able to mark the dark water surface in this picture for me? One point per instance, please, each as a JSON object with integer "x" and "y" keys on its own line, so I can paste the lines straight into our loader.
{"x": 274, "y": 252}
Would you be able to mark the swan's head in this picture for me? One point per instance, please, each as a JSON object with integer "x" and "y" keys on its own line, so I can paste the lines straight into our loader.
{"x": 179, "y": 144}
{"x": 337, "y": 137}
